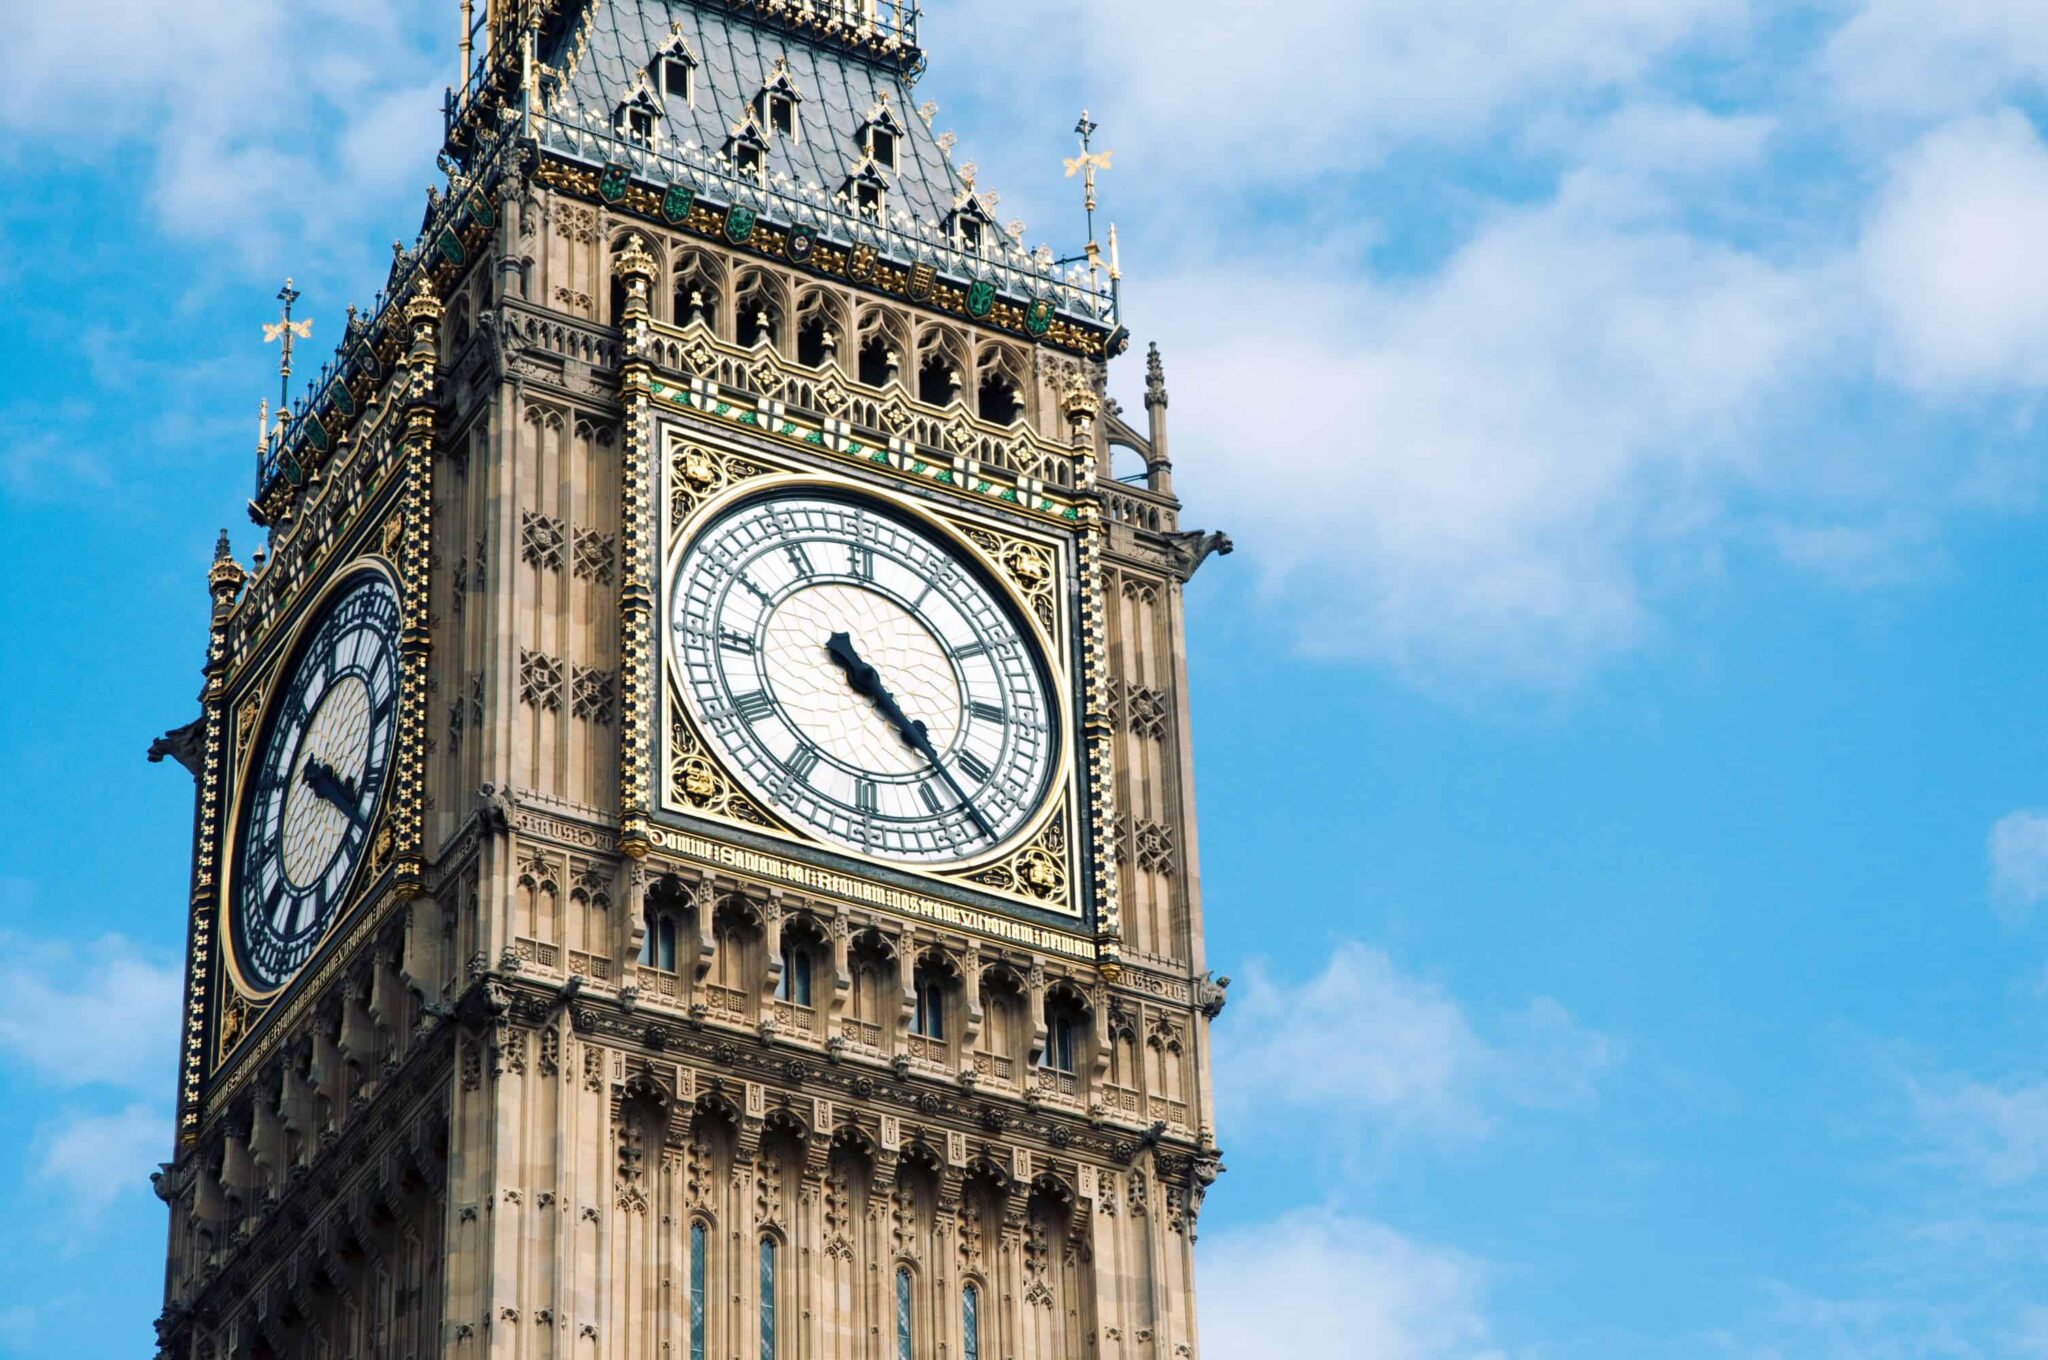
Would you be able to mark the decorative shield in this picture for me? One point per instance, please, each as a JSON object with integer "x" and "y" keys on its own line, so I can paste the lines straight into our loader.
{"x": 450, "y": 246}
{"x": 480, "y": 210}
{"x": 676, "y": 204}
{"x": 921, "y": 277}
{"x": 344, "y": 400}
{"x": 367, "y": 357}
{"x": 981, "y": 299}
{"x": 293, "y": 473}
{"x": 739, "y": 223}
{"x": 611, "y": 184}
{"x": 802, "y": 241}
{"x": 1038, "y": 318}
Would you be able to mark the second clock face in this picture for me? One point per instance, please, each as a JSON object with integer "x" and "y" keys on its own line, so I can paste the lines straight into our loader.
{"x": 862, "y": 679}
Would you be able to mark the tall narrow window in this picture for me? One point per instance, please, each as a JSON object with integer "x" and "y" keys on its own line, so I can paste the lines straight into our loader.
{"x": 795, "y": 983}
{"x": 767, "y": 1298}
{"x": 675, "y": 78}
{"x": 903, "y": 1349}
{"x": 882, "y": 146}
{"x": 697, "y": 1248}
{"x": 1060, "y": 1042}
{"x": 970, "y": 1323}
{"x": 930, "y": 1019}
{"x": 658, "y": 947}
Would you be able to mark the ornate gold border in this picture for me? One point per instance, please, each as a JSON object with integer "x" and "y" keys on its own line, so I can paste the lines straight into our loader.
{"x": 1039, "y": 865}
{"x": 309, "y": 611}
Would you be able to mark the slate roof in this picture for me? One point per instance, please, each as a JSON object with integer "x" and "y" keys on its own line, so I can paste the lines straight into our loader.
{"x": 601, "y": 60}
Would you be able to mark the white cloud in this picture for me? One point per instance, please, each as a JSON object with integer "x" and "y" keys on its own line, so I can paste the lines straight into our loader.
{"x": 1995, "y": 1134}
{"x": 1926, "y": 58}
{"x": 2018, "y": 851}
{"x": 1251, "y": 94}
{"x": 89, "y": 1014}
{"x": 93, "y": 1159}
{"x": 1953, "y": 258}
{"x": 1338, "y": 1288}
{"x": 259, "y": 135}
{"x": 1498, "y": 463}
{"x": 1364, "y": 1041}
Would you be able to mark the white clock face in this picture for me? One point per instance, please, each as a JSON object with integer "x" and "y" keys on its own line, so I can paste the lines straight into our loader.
{"x": 316, "y": 781}
{"x": 862, "y": 679}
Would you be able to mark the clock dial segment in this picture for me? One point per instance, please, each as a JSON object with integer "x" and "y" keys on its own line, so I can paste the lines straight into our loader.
{"x": 318, "y": 776}
{"x": 863, "y": 679}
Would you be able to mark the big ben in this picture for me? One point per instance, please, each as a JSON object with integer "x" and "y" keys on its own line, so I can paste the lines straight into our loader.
{"x": 694, "y": 852}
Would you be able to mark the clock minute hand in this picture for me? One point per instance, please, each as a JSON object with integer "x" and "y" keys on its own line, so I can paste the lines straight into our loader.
{"x": 327, "y": 782}
{"x": 867, "y": 682}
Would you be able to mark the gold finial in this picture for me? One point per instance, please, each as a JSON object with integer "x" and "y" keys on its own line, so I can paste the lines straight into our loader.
{"x": 1085, "y": 165}
{"x": 286, "y": 329}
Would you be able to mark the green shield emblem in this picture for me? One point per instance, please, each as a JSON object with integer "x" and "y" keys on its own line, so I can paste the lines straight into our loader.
{"x": 450, "y": 246}
{"x": 344, "y": 400}
{"x": 981, "y": 299}
{"x": 739, "y": 223}
{"x": 480, "y": 210}
{"x": 1038, "y": 320}
{"x": 677, "y": 202}
{"x": 802, "y": 241}
{"x": 611, "y": 185}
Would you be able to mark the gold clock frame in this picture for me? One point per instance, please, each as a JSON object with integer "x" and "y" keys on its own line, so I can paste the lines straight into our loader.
{"x": 1038, "y": 866}
{"x": 262, "y": 692}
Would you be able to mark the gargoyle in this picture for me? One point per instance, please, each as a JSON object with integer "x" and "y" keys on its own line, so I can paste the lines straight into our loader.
{"x": 1191, "y": 548}
{"x": 186, "y": 745}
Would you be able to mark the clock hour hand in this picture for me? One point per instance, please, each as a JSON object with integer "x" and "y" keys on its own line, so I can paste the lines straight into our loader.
{"x": 324, "y": 780}
{"x": 866, "y": 681}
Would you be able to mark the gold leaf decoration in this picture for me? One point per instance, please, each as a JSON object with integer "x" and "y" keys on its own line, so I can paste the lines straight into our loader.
{"x": 696, "y": 781}
{"x": 696, "y": 474}
{"x": 1037, "y": 870}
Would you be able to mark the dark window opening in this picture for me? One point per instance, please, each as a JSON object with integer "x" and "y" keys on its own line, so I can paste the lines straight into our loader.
{"x": 693, "y": 304}
{"x": 747, "y": 157}
{"x": 658, "y": 949}
{"x": 618, "y": 314}
{"x": 882, "y": 146}
{"x": 970, "y": 233}
{"x": 811, "y": 343}
{"x": 998, "y": 401}
{"x": 795, "y": 983}
{"x": 938, "y": 382}
{"x": 781, "y": 115}
{"x": 877, "y": 365}
{"x": 756, "y": 323}
{"x": 867, "y": 195}
{"x": 675, "y": 78}
{"x": 930, "y": 1018}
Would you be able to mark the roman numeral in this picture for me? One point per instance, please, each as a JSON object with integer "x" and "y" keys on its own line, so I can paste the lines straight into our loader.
{"x": 864, "y": 796}
{"x": 802, "y": 763}
{"x": 863, "y": 561}
{"x": 930, "y": 797}
{"x": 736, "y": 642}
{"x": 987, "y": 712}
{"x": 971, "y": 763}
{"x": 759, "y": 593}
{"x": 971, "y": 649}
{"x": 799, "y": 559}
{"x": 754, "y": 707}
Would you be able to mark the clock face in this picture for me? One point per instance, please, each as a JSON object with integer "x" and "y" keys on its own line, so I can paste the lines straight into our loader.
{"x": 315, "y": 784}
{"x": 862, "y": 678}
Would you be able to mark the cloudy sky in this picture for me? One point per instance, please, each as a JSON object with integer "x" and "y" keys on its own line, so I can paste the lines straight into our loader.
{"x": 1625, "y": 805}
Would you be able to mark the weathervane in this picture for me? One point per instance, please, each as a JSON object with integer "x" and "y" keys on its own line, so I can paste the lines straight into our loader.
{"x": 1085, "y": 165}
{"x": 286, "y": 329}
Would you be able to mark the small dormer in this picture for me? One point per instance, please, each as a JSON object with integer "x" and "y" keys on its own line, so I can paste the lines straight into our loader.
{"x": 674, "y": 71}
{"x": 746, "y": 148}
{"x": 866, "y": 189}
{"x": 638, "y": 115}
{"x": 775, "y": 106}
{"x": 970, "y": 224}
{"x": 881, "y": 136}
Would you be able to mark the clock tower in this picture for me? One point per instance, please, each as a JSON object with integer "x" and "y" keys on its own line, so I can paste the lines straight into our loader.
{"x": 695, "y": 843}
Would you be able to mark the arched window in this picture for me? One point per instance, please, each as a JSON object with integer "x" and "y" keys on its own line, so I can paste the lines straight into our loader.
{"x": 698, "y": 1245}
{"x": 930, "y": 1017}
{"x": 795, "y": 983}
{"x": 903, "y": 1319}
{"x": 768, "y": 1351}
{"x": 877, "y": 361}
{"x": 970, "y": 1323}
{"x": 1062, "y": 1037}
{"x": 658, "y": 947}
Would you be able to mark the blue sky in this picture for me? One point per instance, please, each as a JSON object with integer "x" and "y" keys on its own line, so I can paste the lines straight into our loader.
{"x": 1622, "y": 764}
